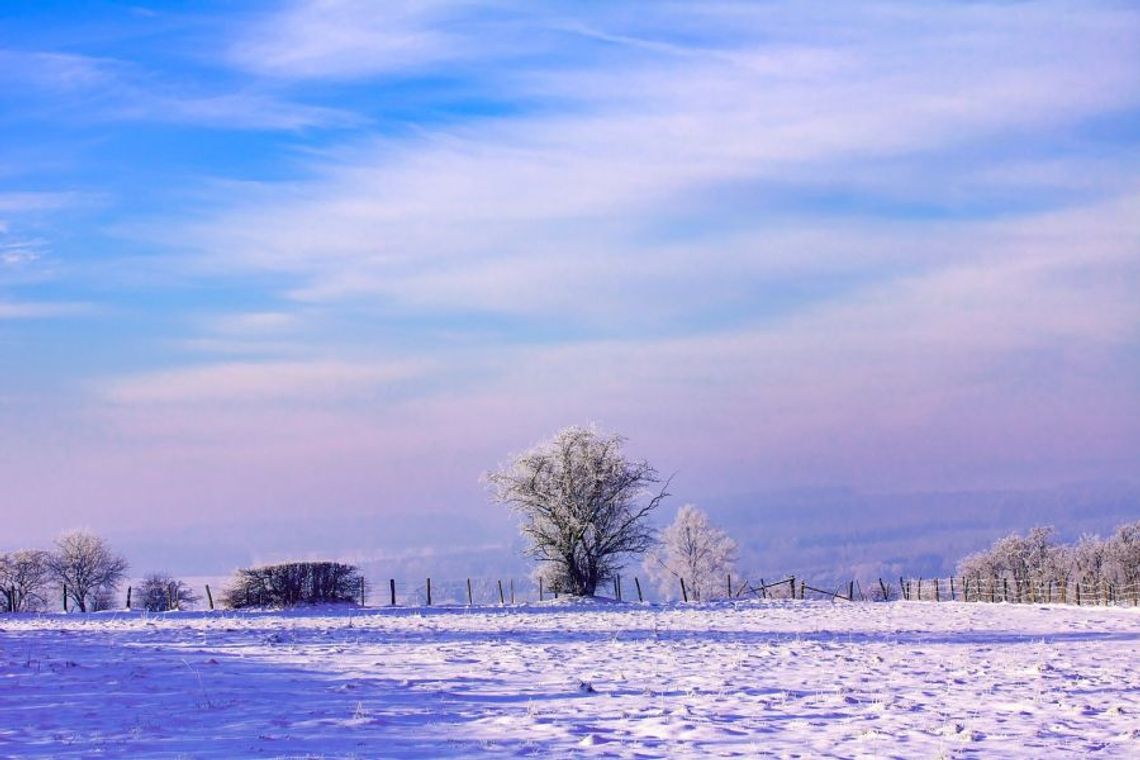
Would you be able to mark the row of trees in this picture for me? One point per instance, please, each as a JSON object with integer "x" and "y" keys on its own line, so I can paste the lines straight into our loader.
{"x": 1038, "y": 558}
{"x": 82, "y": 568}
{"x": 85, "y": 573}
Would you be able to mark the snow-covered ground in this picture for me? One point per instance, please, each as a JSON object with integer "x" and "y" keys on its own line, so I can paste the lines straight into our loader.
{"x": 783, "y": 678}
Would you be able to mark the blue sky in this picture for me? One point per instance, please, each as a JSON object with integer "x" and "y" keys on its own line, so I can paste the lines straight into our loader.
{"x": 336, "y": 257}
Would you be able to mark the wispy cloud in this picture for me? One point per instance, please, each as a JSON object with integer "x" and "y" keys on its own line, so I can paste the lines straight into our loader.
{"x": 885, "y": 245}
{"x": 313, "y": 382}
{"x": 562, "y": 211}
{"x": 350, "y": 38}
{"x": 43, "y": 309}
{"x": 93, "y": 89}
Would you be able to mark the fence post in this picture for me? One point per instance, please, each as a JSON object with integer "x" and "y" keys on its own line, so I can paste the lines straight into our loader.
{"x": 65, "y": 598}
{"x": 729, "y": 581}
{"x": 938, "y": 589}
{"x": 903, "y": 591}
{"x": 429, "y": 592}
{"x": 540, "y": 589}
{"x": 952, "y": 595}
{"x": 619, "y": 587}
{"x": 851, "y": 591}
{"x": 684, "y": 592}
{"x": 362, "y": 597}
{"x": 883, "y": 588}
{"x": 128, "y": 597}
{"x": 469, "y": 602}
{"x": 792, "y": 582}
{"x": 209, "y": 596}
{"x": 512, "y": 590}
{"x": 392, "y": 590}
{"x": 502, "y": 600}
{"x": 637, "y": 583}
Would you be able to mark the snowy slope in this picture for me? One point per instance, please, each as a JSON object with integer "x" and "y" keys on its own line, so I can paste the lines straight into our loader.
{"x": 592, "y": 680}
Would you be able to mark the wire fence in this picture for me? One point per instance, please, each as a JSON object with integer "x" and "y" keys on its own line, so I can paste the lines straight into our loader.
{"x": 492, "y": 591}
{"x": 1020, "y": 591}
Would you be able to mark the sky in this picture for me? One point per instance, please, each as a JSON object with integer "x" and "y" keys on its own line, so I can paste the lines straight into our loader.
{"x": 320, "y": 264}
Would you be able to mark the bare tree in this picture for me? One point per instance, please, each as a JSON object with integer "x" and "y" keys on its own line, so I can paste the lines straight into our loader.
{"x": 583, "y": 505}
{"x": 696, "y": 550}
{"x": 24, "y": 577}
{"x": 159, "y": 592}
{"x": 87, "y": 569}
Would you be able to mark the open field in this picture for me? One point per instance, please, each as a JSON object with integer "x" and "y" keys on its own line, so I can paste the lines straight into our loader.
{"x": 615, "y": 680}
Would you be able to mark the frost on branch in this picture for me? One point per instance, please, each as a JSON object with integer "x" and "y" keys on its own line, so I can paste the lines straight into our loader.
{"x": 160, "y": 592}
{"x": 583, "y": 505}
{"x": 24, "y": 576}
{"x": 696, "y": 550}
{"x": 86, "y": 568}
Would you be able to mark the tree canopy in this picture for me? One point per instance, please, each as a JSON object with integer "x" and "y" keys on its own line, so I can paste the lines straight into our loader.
{"x": 583, "y": 505}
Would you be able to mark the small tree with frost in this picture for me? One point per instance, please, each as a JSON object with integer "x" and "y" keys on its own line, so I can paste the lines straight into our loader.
{"x": 87, "y": 569}
{"x": 696, "y": 550}
{"x": 1089, "y": 560}
{"x": 1123, "y": 553}
{"x": 24, "y": 577}
{"x": 583, "y": 505}
{"x": 160, "y": 592}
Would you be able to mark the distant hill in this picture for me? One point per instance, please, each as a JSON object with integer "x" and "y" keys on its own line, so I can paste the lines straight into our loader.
{"x": 834, "y": 534}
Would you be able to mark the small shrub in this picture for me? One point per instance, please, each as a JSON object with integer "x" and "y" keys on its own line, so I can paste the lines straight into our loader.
{"x": 293, "y": 583}
{"x": 160, "y": 592}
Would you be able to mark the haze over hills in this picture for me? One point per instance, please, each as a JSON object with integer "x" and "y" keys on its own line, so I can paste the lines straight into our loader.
{"x": 828, "y": 535}
{"x": 838, "y": 533}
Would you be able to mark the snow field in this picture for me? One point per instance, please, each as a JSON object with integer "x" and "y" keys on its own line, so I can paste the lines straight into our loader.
{"x": 784, "y": 678}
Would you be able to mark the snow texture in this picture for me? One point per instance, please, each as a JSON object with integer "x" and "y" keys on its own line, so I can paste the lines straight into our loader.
{"x": 779, "y": 678}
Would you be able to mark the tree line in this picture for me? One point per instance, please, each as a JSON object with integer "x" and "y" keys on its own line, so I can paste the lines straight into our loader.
{"x": 1039, "y": 558}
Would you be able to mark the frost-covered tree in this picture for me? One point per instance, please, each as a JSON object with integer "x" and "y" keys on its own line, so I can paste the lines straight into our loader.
{"x": 87, "y": 569}
{"x": 583, "y": 505}
{"x": 159, "y": 592}
{"x": 24, "y": 577}
{"x": 1089, "y": 560}
{"x": 1027, "y": 561}
{"x": 1123, "y": 552}
{"x": 696, "y": 550}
